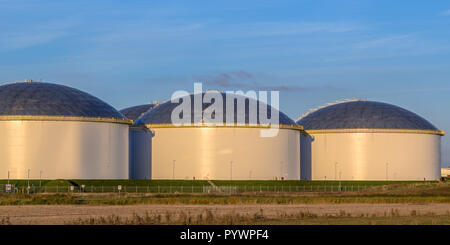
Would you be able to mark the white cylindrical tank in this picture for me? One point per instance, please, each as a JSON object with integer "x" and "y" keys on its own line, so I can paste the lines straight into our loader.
{"x": 365, "y": 140}
{"x": 51, "y": 131}
{"x": 224, "y": 153}
{"x": 209, "y": 151}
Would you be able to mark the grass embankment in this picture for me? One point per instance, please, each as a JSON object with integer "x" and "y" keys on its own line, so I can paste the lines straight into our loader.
{"x": 401, "y": 193}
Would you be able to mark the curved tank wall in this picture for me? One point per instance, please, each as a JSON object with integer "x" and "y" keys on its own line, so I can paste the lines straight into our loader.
{"x": 305, "y": 156}
{"x": 140, "y": 153}
{"x": 223, "y": 153}
{"x": 368, "y": 140}
{"x": 371, "y": 156}
{"x": 63, "y": 149}
{"x": 52, "y": 131}
{"x": 229, "y": 148}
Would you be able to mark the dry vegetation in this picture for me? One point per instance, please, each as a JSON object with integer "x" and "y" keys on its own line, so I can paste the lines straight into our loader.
{"x": 300, "y": 218}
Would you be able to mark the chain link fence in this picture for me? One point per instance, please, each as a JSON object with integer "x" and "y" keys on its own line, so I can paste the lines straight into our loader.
{"x": 184, "y": 189}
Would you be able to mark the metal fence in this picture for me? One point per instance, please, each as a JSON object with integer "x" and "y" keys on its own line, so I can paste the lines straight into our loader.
{"x": 184, "y": 189}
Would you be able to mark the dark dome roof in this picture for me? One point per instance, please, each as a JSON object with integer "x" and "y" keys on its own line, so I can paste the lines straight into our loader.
{"x": 135, "y": 112}
{"x": 47, "y": 99}
{"x": 161, "y": 114}
{"x": 364, "y": 115}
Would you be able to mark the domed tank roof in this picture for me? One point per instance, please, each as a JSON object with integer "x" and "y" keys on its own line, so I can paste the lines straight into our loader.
{"x": 161, "y": 114}
{"x": 48, "y": 99}
{"x": 364, "y": 115}
{"x": 135, "y": 112}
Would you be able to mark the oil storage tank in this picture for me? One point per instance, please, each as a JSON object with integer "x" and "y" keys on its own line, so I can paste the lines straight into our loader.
{"x": 368, "y": 140}
{"x": 140, "y": 143}
{"x": 52, "y": 131}
{"x": 221, "y": 150}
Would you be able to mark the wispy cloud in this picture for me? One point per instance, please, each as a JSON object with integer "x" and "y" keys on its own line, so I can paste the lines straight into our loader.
{"x": 243, "y": 80}
{"x": 445, "y": 13}
{"x": 267, "y": 29}
{"x": 25, "y": 40}
{"x": 383, "y": 41}
{"x": 31, "y": 36}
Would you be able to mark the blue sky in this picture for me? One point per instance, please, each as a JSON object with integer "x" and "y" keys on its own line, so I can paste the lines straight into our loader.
{"x": 135, "y": 52}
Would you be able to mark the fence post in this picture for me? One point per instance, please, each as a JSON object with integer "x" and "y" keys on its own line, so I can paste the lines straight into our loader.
{"x": 56, "y": 188}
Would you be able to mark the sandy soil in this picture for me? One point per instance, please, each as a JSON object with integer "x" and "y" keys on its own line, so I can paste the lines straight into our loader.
{"x": 62, "y": 214}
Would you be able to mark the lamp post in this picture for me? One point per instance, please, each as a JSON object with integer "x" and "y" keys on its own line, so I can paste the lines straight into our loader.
{"x": 28, "y": 187}
{"x": 231, "y": 170}
{"x": 173, "y": 170}
{"x": 335, "y": 171}
{"x": 28, "y": 178}
{"x": 387, "y": 173}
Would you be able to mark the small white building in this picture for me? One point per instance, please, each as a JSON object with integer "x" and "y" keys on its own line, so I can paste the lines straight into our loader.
{"x": 445, "y": 172}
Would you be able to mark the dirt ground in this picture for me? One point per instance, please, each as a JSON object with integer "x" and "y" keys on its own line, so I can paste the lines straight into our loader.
{"x": 64, "y": 214}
